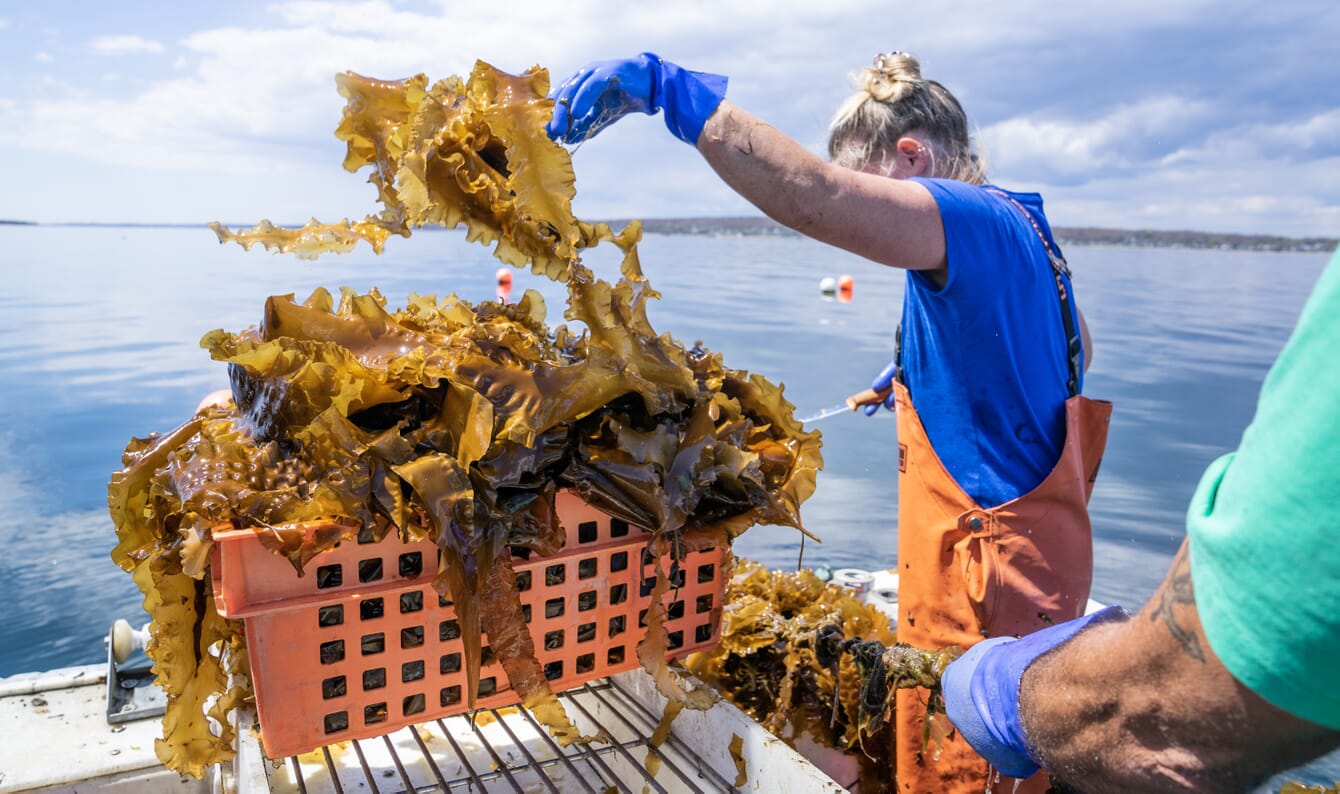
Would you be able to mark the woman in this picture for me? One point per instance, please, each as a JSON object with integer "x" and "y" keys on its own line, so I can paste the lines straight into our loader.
{"x": 997, "y": 449}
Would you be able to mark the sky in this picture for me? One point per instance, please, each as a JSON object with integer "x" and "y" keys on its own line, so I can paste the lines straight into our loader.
{"x": 1152, "y": 114}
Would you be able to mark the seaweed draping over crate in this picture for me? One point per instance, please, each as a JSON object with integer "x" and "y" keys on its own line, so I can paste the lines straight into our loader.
{"x": 309, "y": 440}
{"x": 447, "y": 420}
{"x": 366, "y": 646}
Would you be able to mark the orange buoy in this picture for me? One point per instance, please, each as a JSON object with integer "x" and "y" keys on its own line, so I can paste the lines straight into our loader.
{"x": 845, "y": 283}
{"x": 504, "y": 276}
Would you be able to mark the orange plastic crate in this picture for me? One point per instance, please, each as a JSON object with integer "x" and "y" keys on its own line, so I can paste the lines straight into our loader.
{"x": 362, "y": 645}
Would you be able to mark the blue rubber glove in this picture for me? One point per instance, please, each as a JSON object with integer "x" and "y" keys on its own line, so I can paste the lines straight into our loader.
{"x": 981, "y": 691}
{"x": 882, "y": 381}
{"x": 605, "y": 91}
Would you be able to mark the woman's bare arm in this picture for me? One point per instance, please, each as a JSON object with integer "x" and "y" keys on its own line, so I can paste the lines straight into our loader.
{"x": 891, "y": 221}
{"x": 1145, "y": 705}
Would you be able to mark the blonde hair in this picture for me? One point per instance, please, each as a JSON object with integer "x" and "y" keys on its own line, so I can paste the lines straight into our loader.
{"x": 893, "y": 100}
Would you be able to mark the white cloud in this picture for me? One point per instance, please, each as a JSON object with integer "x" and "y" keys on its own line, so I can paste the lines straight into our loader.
{"x": 43, "y": 57}
{"x": 1322, "y": 129}
{"x": 124, "y": 45}
{"x": 1210, "y": 193}
{"x": 1284, "y": 139}
{"x": 248, "y": 90}
{"x": 1120, "y": 139}
{"x": 253, "y": 95}
{"x": 1295, "y": 139}
{"x": 1146, "y": 148}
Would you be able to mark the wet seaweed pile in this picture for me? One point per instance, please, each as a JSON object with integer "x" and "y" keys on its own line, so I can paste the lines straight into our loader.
{"x": 771, "y": 664}
{"x": 446, "y": 419}
{"x": 810, "y": 659}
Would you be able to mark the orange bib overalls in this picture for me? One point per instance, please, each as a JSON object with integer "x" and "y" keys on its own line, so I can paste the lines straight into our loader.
{"x": 966, "y": 572}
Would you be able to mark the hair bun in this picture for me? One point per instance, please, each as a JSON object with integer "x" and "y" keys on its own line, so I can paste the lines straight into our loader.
{"x": 891, "y": 77}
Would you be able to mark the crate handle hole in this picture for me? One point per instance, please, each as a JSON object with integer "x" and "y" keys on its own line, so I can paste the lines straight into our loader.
{"x": 336, "y": 722}
{"x": 329, "y": 576}
{"x": 370, "y": 570}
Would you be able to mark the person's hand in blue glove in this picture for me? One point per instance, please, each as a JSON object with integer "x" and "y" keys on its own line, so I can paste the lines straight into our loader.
{"x": 605, "y": 91}
{"x": 879, "y": 393}
{"x": 981, "y": 691}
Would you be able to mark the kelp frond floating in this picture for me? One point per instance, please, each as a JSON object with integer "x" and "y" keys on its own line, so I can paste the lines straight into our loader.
{"x": 446, "y": 419}
{"x": 451, "y": 154}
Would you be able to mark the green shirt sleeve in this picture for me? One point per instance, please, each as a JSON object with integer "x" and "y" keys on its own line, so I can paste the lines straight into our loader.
{"x": 1264, "y": 527}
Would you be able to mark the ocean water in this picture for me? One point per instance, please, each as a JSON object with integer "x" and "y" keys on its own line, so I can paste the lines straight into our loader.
{"x": 99, "y": 342}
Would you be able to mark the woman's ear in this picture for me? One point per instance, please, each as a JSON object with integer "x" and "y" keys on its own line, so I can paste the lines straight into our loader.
{"x": 914, "y": 157}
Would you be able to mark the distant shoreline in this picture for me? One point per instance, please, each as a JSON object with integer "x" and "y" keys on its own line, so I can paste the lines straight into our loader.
{"x": 760, "y": 226}
{"x": 1083, "y": 235}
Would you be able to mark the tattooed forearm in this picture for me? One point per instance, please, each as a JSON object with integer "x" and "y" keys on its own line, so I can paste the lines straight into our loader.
{"x": 1176, "y": 594}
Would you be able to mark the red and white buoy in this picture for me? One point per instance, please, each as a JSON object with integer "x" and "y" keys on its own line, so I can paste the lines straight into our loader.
{"x": 844, "y": 288}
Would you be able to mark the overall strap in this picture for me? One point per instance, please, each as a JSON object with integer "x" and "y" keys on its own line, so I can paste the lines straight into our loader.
{"x": 898, "y": 355}
{"x": 1061, "y": 271}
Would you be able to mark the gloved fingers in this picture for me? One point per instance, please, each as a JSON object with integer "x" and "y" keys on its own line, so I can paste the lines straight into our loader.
{"x": 599, "y": 94}
{"x": 596, "y": 103}
{"x": 560, "y": 127}
{"x": 571, "y": 103}
{"x": 607, "y": 110}
{"x": 989, "y": 724}
{"x": 981, "y": 690}
{"x": 585, "y": 93}
{"x": 606, "y": 91}
{"x": 958, "y": 673}
{"x": 560, "y": 123}
{"x": 884, "y": 380}
{"x": 569, "y": 86}
{"x": 889, "y": 401}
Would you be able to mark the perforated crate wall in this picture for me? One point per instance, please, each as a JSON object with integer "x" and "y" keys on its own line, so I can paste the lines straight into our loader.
{"x": 362, "y": 645}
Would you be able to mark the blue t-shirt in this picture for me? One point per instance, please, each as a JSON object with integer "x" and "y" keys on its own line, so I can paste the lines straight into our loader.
{"x": 985, "y": 356}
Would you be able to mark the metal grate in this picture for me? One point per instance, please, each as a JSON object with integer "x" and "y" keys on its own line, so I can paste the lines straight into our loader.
{"x": 507, "y": 750}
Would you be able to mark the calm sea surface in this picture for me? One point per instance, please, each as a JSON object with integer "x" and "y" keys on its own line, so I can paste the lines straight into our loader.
{"x": 99, "y": 342}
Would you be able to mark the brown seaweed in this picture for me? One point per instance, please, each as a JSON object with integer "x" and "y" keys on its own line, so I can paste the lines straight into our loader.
{"x": 806, "y": 658}
{"x": 444, "y": 418}
{"x": 882, "y": 669}
{"x": 772, "y": 664}
{"x": 456, "y": 153}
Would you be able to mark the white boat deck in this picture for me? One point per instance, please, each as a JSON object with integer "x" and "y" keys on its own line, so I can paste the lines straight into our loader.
{"x": 58, "y": 740}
